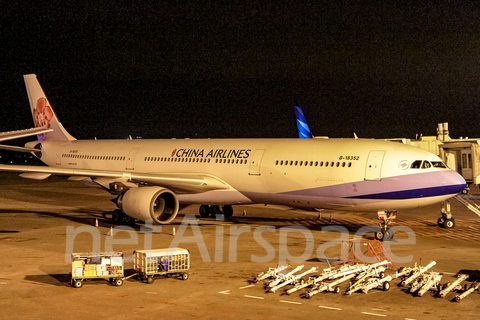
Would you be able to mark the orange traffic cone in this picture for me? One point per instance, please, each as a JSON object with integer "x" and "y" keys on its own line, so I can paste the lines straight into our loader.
{"x": 111, "y": 232}
{"x": 96, "y": 222}
{"x": 174, "y": 232}
{"x": 244, "y": 212}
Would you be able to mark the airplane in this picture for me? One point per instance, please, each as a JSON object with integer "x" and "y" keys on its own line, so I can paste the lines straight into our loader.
{"x": 152, "y": 178}
{"x": 303, "y": 129}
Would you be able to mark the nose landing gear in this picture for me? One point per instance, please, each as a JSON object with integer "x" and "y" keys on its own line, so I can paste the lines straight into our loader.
{"x": 446, "y": 220}
{"x": 386, "y": 218}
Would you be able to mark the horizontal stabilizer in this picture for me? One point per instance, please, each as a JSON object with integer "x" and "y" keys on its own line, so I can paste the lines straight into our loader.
{"x": 18, "y": 149}
{"x": 10, "y": 135}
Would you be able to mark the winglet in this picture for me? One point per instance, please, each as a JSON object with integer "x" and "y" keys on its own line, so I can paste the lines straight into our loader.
{"x": 303, "y": 130}
{"x": 42, "y": 112}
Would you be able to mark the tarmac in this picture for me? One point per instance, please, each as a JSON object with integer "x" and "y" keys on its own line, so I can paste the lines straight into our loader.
{"x": 39, "y": 227}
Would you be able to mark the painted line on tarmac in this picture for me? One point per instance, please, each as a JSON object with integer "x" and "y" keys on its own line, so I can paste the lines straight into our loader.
{"x": 332, "y": 308}
{"x": 378, "y": 310}
{"x": 253, "y": 297}
{"x": 3, "y": 283}
{"x": 152, "y": 292}
{"x": 249, "y": 286}
{"x": 292, "y": 302}
{"x": 225, "y": 292}
{"x": 375, "y": 314}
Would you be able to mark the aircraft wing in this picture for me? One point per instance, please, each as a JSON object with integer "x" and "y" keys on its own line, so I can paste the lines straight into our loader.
{"x": 179, "y": 183}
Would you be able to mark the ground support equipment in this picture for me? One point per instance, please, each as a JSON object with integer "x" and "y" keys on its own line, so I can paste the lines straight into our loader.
{"x": 280, "y": 278}
{"x": 103, "y": 265}
{"x": 331, "y": 287}
{"x": 292, "y": 279}
{"x": 271, "y": 273}
{"x": 373, "y": 271}
{"x": 432, "y": 282}
{"x": 473, "y": 287}
{"x": 327, "y": 274}
{"x": 376, "y": 282}
{"x": 453, "y": 286}
{"x": 171, "y": 262}
{"x": 418, "y": 273}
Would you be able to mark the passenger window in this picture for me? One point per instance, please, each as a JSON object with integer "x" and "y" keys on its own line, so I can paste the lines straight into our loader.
{"x": 417, "y": 164}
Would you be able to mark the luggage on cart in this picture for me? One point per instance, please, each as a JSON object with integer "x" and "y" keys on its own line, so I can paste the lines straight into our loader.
{"x": 103, "y": 265}
{"x": 170, "y": 262}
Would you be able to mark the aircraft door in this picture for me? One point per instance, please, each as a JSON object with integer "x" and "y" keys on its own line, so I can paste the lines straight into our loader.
{"x": 373, "y": 171}
{"x": 131, "y": 159}
{"x": 256, "y": 161}
{"x": 467, "y": 171}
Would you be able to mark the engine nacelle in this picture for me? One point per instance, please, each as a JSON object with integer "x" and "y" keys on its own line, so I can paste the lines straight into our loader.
{"x": 144, "y": 203}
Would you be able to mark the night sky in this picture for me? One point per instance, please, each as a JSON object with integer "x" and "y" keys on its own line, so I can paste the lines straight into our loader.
{"x": 227, "y": 69}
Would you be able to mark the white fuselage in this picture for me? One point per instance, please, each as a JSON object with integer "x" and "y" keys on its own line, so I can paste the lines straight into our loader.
{"x": 346, "y": 174}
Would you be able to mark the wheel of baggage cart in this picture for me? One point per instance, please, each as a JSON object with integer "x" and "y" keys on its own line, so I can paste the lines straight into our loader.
{"x": 386, "y": 286}
{"x": 77, "y": 283}
{"x": 118, "y": 282}
{"x": 184, "y": 276}
{"x": 382, "y": 275}
{"x": 150, "y": 280}
{"x": 337, "y": 289}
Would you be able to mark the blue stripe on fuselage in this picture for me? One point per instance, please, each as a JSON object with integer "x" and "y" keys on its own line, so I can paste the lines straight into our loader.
{"x": 413, "y": 193}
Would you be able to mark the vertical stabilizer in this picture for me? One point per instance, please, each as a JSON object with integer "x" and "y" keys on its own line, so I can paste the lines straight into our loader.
{"x": 42, "y": 112}
{"x": 303, "y": 130}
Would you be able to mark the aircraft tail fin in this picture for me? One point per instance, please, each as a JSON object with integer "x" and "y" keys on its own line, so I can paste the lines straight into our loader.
{"x": 303, "y": 129}
{"x": 42, "y": 112}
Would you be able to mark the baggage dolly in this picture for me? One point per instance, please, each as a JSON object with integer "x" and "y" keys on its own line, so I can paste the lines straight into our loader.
{"x": 162, "y": 262}
{"x": 103, "y": 265}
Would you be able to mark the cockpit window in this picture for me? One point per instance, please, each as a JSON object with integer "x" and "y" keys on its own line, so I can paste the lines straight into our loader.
{"x": 417, "y": 164}
{"x": 426, "y": 165}
{"x": 439, "y": 164}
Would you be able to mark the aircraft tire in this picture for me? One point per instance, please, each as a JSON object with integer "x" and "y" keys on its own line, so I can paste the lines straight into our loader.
{"x": 118, "y": 282}
{"x": 449, "y": 223}
{"x": 204, "y": 211}
{"x": 215, "y": 211}
{"x": 441, "y": 222}
{"x": 227, "y": 211}
{"x": 129, "y": 220}
{"x": 150, "y": 280}
{"x": 379, "y": 236}
{"x": 118, "y": 216}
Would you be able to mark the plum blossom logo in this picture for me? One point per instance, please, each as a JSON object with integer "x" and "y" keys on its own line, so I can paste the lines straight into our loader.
{"x": 42, "y": 114}
{"x": 173, "y": 152}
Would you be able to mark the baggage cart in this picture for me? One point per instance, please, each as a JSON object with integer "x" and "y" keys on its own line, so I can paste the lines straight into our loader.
{"x": 103, "y": 265}
{"x": 169, "y": 262}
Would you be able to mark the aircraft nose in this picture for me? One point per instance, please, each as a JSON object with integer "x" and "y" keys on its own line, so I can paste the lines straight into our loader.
{"x": 455, "y": 181}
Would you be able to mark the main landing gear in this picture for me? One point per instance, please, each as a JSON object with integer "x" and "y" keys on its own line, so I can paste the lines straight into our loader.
{"x": 120, "y": 218}
{"x": 386, "y": 218}
{"x": 446, "y": 220}
{"x": 214, "y": 211}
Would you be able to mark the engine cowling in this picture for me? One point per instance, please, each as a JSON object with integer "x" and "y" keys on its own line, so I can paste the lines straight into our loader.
{"x": 144, "y": 203}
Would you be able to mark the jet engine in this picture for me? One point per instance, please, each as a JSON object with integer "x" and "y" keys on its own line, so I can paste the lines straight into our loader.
{"x": 144, "y": 203}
